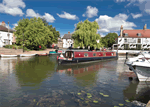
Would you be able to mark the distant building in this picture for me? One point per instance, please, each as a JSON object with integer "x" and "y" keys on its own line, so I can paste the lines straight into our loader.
{"x": 60, "y": 43}
{"x": 6, "y": 35}
{"x": 67, "y": 40}
{"x": 134, "y": 39}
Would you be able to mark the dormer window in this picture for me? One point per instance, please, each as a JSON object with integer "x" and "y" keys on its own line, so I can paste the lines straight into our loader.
{"x": 126, "y": 34}
{"x": 139, "y": 34}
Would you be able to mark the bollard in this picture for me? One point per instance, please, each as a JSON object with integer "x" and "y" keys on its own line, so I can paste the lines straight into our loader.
{"x": 126, "y": 55}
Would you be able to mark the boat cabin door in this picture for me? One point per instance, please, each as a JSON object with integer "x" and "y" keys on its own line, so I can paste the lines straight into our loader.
{"x": 69, "y": 54}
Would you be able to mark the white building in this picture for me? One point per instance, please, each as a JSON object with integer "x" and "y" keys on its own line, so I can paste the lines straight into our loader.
{"x": 6, "y": 35}
{"x": 67, "y": 40}
{"x": 134, "y": 39}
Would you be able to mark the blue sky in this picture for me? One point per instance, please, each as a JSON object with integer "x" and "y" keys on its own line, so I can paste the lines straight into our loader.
{"x": 65, "y": 14}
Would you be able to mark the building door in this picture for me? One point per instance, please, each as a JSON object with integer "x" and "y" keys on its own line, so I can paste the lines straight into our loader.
{"x": 138, "y": 46}
{"x": 126, "y": 46}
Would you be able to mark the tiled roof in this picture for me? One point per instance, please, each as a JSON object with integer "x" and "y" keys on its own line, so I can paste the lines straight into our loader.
{"x": 67, "y": 36}
{"x": 3, "y": 28}
{"x": 134, "y": 33}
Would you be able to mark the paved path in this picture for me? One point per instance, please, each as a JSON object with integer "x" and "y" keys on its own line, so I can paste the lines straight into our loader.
{"x": 6, "y": 51}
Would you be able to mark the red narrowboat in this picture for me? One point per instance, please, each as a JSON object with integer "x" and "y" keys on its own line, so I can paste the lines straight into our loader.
{"x": 78, "y": 56}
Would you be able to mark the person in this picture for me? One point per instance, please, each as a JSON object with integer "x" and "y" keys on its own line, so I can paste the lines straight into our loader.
{"x": 61, "y": 55}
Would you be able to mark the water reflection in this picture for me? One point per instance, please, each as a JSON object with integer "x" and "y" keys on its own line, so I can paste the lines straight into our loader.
{"x": 138, "y": 91}
{"x": 32, "y": 72}
{"x": 33, "y": 81}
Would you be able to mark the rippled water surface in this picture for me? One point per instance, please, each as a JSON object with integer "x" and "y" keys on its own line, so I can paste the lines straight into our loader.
{"x": 41, "y": 82}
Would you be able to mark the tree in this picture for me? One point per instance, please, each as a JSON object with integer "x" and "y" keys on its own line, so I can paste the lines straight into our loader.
{"x": 109, "y": 39}
{"x": 55, "y": 33}
{"x": 45, "y": 22}
{"x": 35, "y": 33}
{"x": 52, "y": 29}
{"x": 85, "y": 35}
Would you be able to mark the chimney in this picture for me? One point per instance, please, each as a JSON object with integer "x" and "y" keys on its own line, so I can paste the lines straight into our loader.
{"x": 145, "y": 27}
{"x": 68, "y": 32}
{"x": 121, "y": 30}
{"x": 3, "y": 23}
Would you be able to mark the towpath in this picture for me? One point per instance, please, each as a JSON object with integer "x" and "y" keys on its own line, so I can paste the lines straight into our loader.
{"x": 6, "y": 51}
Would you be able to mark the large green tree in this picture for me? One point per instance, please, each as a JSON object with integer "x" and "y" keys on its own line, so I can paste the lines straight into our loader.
{"x": 52, "y": 29}
{"x": 55, "y": 33}
{"x": 109, "y": 39}
{"x": 86, "y": 35}
{"x": 35, "y": 33}
{"x": 45, "y": 22}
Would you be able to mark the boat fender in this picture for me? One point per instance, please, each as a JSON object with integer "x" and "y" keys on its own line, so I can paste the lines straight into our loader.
{"x": 57, "y": 57}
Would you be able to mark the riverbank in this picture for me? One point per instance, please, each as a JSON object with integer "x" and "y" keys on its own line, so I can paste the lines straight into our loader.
{"x": 6, "y": 51}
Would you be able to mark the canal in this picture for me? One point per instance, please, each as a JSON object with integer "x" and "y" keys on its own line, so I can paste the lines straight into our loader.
{"x": 41, "y": 82}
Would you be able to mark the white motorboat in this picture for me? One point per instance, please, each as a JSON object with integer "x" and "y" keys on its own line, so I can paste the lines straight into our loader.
{"x": 27, "y": 55}
{"x": 140, "y": 65}
{"x": 2, "y": 55}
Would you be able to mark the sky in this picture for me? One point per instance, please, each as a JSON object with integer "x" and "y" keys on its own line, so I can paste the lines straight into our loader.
{"x": 65, "y": 14}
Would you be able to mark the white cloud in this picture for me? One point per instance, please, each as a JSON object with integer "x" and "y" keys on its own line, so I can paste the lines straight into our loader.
{"x": 113, "y": 24}
{"x": 14, "y": 25}
{"x": 12, "y": 7}
{"x": 136, "y": 15}
{"x": 83, "y": 15}
{"x": 68, "y": 16}
{"x": 120, "y": 0}
{"x": 47, "y": 16}
{"x": 102, "y": 35}
{"x": 31, "y": 13}
{"x": 90, "y": 12}
{"x": 144, "y": 5}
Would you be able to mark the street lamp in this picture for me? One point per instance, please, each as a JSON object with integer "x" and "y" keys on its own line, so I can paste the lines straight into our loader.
{"x": 0, "y": 37}
{"x": 8, "y": 35}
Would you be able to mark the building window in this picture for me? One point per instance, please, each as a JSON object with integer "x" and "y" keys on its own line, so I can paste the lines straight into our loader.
{"x": 139, "y": 40}
{"x": 94, "y": 54}
{"x": 85, "y": 54}
{"x": 6, "y": 41}
{"x": 126, "y": 46}
{"x": 125, "y": 40}
{"x": 139, "y": 34}
{"x": 126, "y": 34}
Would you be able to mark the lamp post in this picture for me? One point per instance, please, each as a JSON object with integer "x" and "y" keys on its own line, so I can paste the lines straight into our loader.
{"x": 23, "y": 42}
{"x": 8, "y": 35}
{"x": 0, "y": 38}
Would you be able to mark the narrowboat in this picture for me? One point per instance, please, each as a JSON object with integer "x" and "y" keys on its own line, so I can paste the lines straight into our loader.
{"x": 56, "y": 52}
{"x": 82, "y": 56}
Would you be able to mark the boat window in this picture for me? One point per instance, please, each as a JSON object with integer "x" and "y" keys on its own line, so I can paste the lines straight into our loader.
{"x": 104, "y": 54}
{"x": 86, "y": 54}
{"x": 94, "y": 54}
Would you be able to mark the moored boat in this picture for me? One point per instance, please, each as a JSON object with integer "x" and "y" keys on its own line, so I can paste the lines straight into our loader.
{"x": 27, "y": 55}
{"x": 140, "y": 65}
{"x": 85, "y": 56}
{"x": 2, "y": 55}
{"x": 42, "y": 54}
{"x": 56, "y": 52}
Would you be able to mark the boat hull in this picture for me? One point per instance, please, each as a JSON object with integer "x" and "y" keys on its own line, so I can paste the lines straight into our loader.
{"x": 6, "y": 56}
{"x": 27, "y": 55}
{"x": 84, "y": 60}
{"x": 141, "y": 72}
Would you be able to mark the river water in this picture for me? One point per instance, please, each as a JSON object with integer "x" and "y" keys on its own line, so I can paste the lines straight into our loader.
{"x": 41, "y": 82}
